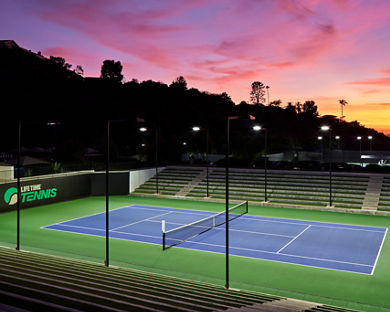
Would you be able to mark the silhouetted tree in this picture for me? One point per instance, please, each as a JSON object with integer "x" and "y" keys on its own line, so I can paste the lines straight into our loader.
{"x": 275, "y": 103}
{"x": 310, "y": 108}
{"x": 290, "y": 107}
{"x": 60, "y": 61}
{"x": 257, "y": 93}
{"x": 342, "y": 104}
{"x": 79, "y": 70}
{"x": 298, "y": 107}
{"x": 112, "y": 71}
{"x": 179, "y": 83}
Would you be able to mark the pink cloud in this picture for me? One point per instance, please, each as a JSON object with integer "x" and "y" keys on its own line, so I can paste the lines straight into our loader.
{"x": 302, "y": 49}
{"x": 382, "y": 82}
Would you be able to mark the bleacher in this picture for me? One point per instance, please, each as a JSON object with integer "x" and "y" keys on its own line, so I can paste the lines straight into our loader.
{"x": 284, "y": 188}
{"x": 170, "y": 181}
{"x": 36, "y": 282}
{"x": 384, "y": 200}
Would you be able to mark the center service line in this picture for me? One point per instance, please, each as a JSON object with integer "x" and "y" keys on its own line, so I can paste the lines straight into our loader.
{"x": 293, "y": 239}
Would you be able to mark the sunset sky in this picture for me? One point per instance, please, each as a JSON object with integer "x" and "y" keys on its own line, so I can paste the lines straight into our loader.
{"x": 322, "y": 50}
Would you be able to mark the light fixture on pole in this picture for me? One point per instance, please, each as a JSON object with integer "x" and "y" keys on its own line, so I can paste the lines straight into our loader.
{"x": 319, "y": 138}
{"x": 144, "y": 129}
{"x": 370, "y": 140}
{"x": 359, "y": 138}
{"x": 259, "y": 128}
{"x": 328, "y": 129}
{"x": 267, "y": 88}
{"x": 197, "y": 129}
{"x": 337, "y": 138}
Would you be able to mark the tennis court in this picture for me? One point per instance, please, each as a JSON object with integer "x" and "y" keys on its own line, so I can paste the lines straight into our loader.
{"x": 316, "y": 244}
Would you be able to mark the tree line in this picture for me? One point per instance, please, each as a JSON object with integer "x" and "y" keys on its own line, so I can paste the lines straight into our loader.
{"x": 37, "y": 90}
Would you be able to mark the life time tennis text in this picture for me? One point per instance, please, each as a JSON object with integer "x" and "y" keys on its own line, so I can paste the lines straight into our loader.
{"x": 34, "y": 192}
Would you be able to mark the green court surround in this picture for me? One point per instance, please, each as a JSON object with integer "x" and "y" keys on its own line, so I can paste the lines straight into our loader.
{"x": 350, "y": 290}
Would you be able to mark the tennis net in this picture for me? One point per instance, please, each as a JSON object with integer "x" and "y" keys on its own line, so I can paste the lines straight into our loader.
{"x": 185, "y": 232}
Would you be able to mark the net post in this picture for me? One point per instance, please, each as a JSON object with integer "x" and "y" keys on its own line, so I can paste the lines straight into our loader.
{"x": 163, "y": 233}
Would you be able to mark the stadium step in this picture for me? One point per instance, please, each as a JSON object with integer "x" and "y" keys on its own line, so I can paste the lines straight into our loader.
{"x": 194, "y": 183}
{"x": 284, "y": 305}
{"x": 373, "y": 193}
{"x": 293, "y": 189}
{"x": 36, "y": 282}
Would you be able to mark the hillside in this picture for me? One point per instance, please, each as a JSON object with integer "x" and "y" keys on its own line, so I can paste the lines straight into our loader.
{"x": 37, "y": 89}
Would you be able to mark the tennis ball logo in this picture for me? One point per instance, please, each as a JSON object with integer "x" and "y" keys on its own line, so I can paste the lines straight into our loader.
{"x": 11, "y": 196}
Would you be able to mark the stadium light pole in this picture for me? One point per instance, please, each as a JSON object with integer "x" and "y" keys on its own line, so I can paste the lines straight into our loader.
{"x": 267, "y": 88}
{"x": 227, "y": 195}
{"x": 144, "y": 129}
{"x": 370, "y": 140}
{"x": 18, "y": 187}
{"x": 156, "y": 157}
{"x": 329, "y": 130}
{"x": 359, "y": 138}
{"x": 259, "y": 128}
{"x": 319, "y": 138}
{"x": 106, "y": 262}
{"x": 337, "y": 137}
{"x": 197, "y": 129}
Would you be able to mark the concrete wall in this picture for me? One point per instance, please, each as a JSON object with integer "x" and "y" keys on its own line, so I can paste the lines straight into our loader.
{"x": 42, "y": 190}
{"x": 6, "y": 173}
{"x": 139, "y": 177}
{"x": 118, "y": 183}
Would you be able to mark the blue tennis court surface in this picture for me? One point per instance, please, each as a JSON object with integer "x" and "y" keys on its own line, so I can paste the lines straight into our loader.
{"x": 323, "y": 245}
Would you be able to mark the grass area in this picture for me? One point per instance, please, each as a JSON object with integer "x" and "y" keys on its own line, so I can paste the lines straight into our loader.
{"x": 357, "y": 291}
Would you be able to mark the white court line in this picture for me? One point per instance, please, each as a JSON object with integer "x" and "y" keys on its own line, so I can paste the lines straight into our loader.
{"x": 380, "y": 249}
{"x": 315, "y": 223}
{"x": 214, "y": 252}
{"x": 293, "y": 239}
{"x": 77, "y": 227}
{"x": 230, "y": 229}
{"x": 232, "y": 247}
{"x": 252, "y": 218}
{"x": 222, "y": 246}
{"x": 140, "y": 221}
{"x": 341, "y": 226}
{"x": 272, "y": 252}
{"x": 131, "y": 207}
